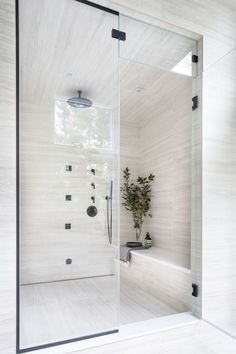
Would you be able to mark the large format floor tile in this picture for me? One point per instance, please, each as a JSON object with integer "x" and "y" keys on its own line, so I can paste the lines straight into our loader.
{"x": 56, "y": 311}
{"x": 198, "y": 338}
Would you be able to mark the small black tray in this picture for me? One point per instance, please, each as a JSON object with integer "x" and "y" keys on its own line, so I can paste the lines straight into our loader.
{"x": 134, "y": 244}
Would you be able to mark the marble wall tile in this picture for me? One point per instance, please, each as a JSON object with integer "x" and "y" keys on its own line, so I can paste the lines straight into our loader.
{"x": 7, "y": 179}
{"x": 158, "y": 140}
{"x": 219, "y": 194}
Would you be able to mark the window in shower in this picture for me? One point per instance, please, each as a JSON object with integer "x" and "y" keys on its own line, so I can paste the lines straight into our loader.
{"x": 68, "y": 157}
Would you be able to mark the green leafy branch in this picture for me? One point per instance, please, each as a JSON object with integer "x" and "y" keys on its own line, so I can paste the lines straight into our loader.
{"x": 137, "y": 198}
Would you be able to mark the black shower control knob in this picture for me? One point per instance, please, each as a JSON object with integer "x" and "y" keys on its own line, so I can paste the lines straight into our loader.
{"x": 92, "y": 211}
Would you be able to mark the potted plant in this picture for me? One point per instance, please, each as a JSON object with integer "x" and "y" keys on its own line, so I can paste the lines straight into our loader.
{"x": 137, "y": 198}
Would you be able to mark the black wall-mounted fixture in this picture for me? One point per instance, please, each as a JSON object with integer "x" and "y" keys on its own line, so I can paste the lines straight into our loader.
{"x": 93, "y": 185}
{"x": 118, "y": 34}
{"x": 93, "y": 199}
{"x": 68, "y": 197}
{"x": 67, "y": 226}
{"x": 68, "y": 168}
{"x": 93, "y": 171}
{"x": 194, "y": 58}
{"x": 194, "y": 103}
{"x": 68, "y": 261}
{"x": 92, "y": 211}
{"x": 195, "y": 290}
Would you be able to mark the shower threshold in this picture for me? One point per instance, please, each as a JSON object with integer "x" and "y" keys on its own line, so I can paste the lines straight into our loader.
{"x": 128, "y": 331}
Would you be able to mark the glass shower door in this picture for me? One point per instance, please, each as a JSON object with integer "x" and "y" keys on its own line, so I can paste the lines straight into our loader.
{"x": 68, "y": 157}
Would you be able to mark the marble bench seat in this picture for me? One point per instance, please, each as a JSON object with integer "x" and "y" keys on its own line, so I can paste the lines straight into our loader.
{"x": 162, "y": 274}
{"x": 165, "y": 257}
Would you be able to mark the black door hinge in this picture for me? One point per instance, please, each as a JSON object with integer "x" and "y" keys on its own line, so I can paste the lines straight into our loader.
{"x": 118, "y": 34}
{"x": 195, "y": 58}
{"x": 194, "y": 103}
{"x": 195, "y": 290}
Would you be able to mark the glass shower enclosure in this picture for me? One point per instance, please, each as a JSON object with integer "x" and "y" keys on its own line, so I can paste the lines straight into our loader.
{"x": 74, "y": 60}
{"x": 68, "y": 158}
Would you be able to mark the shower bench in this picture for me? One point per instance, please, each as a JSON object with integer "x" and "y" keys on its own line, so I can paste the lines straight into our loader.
{"x": 162, "y": 274}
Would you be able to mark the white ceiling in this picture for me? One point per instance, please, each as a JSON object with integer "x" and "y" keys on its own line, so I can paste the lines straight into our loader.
{"x": 66, "y": 46}
{"x": 159, "y": 89}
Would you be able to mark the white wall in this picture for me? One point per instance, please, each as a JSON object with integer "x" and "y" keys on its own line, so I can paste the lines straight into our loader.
{"x": 165, "y": 143}
{"x": 129, "y": 157}
{"x": 53, "y": 135}
{"x": 44, "y": 182}
{"x": 219, "y": 189}
{"x": 7, "y": 179}
{"x": 159, "y": 141}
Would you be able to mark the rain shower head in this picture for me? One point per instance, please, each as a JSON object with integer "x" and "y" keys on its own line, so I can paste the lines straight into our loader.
{"x": 79, "y": 102}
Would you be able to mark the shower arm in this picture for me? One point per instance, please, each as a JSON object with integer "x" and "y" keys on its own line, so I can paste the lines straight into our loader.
{"x": 109, "y": 213}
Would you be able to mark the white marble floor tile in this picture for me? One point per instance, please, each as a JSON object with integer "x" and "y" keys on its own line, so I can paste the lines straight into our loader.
{"x": 57, "y": 311}
{"x": 198, "y": 338}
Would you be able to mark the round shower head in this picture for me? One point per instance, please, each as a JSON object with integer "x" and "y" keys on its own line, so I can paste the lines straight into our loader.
{"x": 79, "y": 102}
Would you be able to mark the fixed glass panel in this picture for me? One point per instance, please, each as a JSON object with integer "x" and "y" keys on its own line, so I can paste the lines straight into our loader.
{"x": 157, "y": 47}
{"x": 69, "y": 134}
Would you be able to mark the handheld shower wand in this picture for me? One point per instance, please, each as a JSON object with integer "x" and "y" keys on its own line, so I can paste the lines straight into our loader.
{"x": 109, "y": 213}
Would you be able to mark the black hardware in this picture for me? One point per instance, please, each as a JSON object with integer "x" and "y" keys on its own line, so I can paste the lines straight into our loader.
{"x": 66, "y": 341}
{"x": 67, "y": 226}
{"x": 93, "y": 185}
{"x": 100, "y": 7}
{"x": 195, "y": 58}
{"x": 92, "y": 211}
{"x": 68, "y": 168}
{"x": 93, "y": 171}
{"x": 118, "y": 34}
{"x": 68, "y": 261}
{"x": 195, "y": 290}
{"x": 17, "y": 107}
{"x": 93, "y": 199}
{"x": 68, "y": 197}
{"x": 194, "y": 103}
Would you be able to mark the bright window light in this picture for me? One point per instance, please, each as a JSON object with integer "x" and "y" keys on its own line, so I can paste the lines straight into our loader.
{"x": 184, "y": 67}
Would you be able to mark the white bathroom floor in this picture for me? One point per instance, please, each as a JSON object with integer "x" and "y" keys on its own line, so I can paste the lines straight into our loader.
{"x": 197, "y": 338}
{"x": 56, "y": 311}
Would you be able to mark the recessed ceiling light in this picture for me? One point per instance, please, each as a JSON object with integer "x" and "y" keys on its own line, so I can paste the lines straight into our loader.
{"x": 140, "y": 89}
